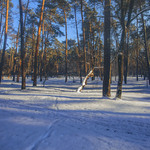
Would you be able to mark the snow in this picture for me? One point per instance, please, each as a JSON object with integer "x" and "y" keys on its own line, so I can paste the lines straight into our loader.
{"x": 56, "y": 117}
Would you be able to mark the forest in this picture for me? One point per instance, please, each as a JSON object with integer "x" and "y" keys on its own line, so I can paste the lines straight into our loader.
{"x": 111, "y": 38}
{"x": 50, "y": 50}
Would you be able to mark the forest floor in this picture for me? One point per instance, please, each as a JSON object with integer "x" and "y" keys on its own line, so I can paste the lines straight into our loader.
{"x": 56, "y": 117}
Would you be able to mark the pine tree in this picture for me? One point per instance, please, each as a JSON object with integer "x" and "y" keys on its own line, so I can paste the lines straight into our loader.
{"x": 5, "y": 41}
{"x": 106, "y": 82}
{"x": 37, "y": 45}
{"x": 22, "y": 47}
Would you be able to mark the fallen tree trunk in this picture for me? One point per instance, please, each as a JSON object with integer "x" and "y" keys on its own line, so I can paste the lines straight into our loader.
{"x": 84, "y": 83}
{"x": 90, "y": 74}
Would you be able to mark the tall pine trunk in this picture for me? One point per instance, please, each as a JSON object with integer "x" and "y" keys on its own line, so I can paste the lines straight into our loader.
{"x": 37, "y": 46}
{"x": 120, "y": 75}
{"x": 45, "y": 56}
{"x": 15, "y": 63}
{"x": 106, "y": 82}
{"x": 121, "y": 49}
{"x": 83, "y": 30}
{"x": 122, "y": 43}
{"x": 66, "y": 50}
{"x": 5, "y": 41}
{"x": 33, "y": 50}
{"x": 22, "y": 47}
{"x": 126, "y": 59}
{"x": 41, "y": 69}
{"x": 146, "y": 47}
{"x": 79, "y": 50}
{"x": 137, "y": 54}
{"x": 1, "y": 17}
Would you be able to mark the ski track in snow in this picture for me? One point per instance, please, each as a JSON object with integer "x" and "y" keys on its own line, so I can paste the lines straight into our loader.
{"x": 42, "y": 138}
{"x": 55, "y": 117}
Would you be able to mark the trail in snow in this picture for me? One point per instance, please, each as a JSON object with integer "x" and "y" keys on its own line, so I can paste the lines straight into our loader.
{"x": 40, "y": 139}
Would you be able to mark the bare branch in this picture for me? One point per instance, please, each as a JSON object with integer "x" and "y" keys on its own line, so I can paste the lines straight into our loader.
{"x": 146, "y": 9}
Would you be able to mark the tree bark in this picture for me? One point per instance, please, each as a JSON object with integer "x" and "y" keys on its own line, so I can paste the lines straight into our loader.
{"x": 83, "y": 30}
{"x": 137, "y": 54}
{"x": 33, "y": 50}
{"x": 79, "y": 50}
{"x": 22, "y": 47}
{"x": 106, "y": 82}
{"x": 5, "y": 41}
{"x": 126, "y": 59}
{"x": 45, "y": 56}
{"x": 120, "y": 75}
{"x": 90, "y": 74}
{"x": 41, "y": 70}
{"x": 66, "y": 50}
{"x": 122, "y": 43}
{"x": 37, "y": 46}
{"x": 14, "y": 67}
{"x": 2, "y": 34}
{"x": 146, "y": 47}
{"x": 1, "y": 18}
{"x": 25, "y": 17}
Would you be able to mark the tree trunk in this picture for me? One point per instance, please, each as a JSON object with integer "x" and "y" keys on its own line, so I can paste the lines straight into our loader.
{"x": 1, "y": 18}
{"x": 25, "y": 17}
{"x": 83, "y": 30}
{"x": 14, "y": 66}
{"x": 122, "y": 43}
{"x": 106, "y": 82}
{"x": 137, "y": 54}
{"x": 33, "y": 50}
{"x": 41, "y": 70}
{"x": 91, "y": 47}
{"x": 90, "y": 74}
{"x": 44, "y": 56}
{"x": 66, "y": 50}
{"x": 2, "y": 34}
{"x": 37, "y": 46}
{"x": 79, "y": 50}
{"x": 5, "y": 41}
{"x": 146, "y": 48}
{"x": 22, "y": 47}
{"x": 100, "y": 56}
{"x": 126, "y": 60}
{"x": 18, "y": 70}
{"x": 120, "y": 75}
{"x": 93, "y": 52}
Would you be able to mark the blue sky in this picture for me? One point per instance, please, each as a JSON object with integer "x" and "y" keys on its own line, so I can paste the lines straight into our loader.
{"x": 70, "y": 25}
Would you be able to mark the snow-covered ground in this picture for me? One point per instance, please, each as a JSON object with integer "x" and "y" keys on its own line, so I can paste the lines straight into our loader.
{"x": 56, "y": 117}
